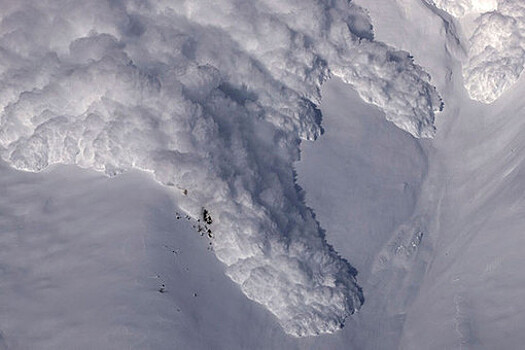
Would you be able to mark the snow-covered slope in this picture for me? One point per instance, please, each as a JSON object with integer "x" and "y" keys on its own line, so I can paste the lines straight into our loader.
{"x": 461, "y": 286}
{"x": 83, "y": 259}
{"x": 370, "y": 184}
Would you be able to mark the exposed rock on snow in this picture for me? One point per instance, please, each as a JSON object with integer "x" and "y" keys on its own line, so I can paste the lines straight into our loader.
{"x": 212, "y": 97}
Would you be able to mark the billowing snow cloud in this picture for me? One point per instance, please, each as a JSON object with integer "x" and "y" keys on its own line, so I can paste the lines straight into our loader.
{"x": 496, "y": 47}
{"x": 460, "y": 8}
{"x": 497, "y": 52}
{"x": 212, "y": 98}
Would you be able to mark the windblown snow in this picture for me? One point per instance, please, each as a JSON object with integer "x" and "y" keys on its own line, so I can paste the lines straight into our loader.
{"x": 496, "y": 46}
{"x": 213, "y": 98}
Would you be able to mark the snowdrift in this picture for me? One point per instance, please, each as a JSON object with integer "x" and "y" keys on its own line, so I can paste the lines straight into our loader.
{"x": 212, "y": 98}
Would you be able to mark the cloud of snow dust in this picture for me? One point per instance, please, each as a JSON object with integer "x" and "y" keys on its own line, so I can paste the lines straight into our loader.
{"x": 496, "y": 48}
{"x": 497, "y": 52}
{"x": 460, "y": 8}
{"x": 211, "y": 97}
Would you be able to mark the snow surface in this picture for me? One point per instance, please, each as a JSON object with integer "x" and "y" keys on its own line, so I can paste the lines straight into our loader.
{"x": 462, "y": 286}
{"x": 212, "y": 98}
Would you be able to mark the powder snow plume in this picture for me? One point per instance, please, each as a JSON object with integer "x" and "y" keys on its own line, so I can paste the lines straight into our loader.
{"x": 460, "y": 8}
{"x": 496, "y": 46}
{"x": 497, "y": 52}
{"x": 212, "y": 98}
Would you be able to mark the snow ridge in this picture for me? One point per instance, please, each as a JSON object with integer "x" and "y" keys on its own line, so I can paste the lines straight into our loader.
{"x": 212, "y": 98}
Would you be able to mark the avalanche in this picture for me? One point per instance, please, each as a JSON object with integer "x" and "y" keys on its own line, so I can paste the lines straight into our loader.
{"x": 213, "y": 99}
